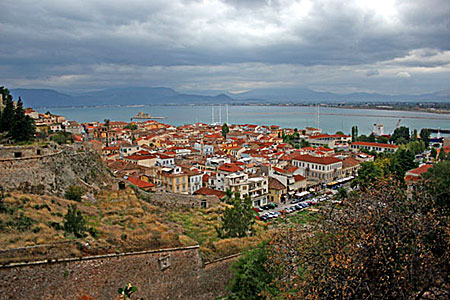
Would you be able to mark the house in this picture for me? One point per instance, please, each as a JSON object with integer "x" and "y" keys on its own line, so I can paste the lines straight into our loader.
{"x": 350, "y": 167}
{"x": 173, "y": 180}
{"x": 258, "y": 190}
{"x": 413, "y": 176}
{"x": 377, "y": 147}
{"x": 164, "y": 160}
{"x": 277, "y": 191}
{"x": 325, "y": 169}
{"x": 144, "y": 185}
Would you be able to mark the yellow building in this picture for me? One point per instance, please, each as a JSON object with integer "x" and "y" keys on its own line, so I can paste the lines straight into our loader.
{"x": 173, "y": 180}
{"x": 276, "y": 190}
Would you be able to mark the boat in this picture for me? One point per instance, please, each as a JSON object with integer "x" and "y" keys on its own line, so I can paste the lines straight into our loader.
{"x": 145, "y": 116}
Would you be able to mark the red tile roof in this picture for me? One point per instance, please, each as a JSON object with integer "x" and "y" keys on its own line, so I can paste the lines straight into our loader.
{"x": 316, "y": 160}
{"x": 209, "y": 192}
{"x": 229, "y": 168}
{"x": 140, "y": 183}
{"x": 420, "y": 170}
{"x": 299, "y": 178}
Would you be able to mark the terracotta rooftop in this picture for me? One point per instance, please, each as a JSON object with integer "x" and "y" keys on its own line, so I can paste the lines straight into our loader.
{"x": 316, "y": 160}
{"x": 209, "y": 192}
{"x": 275, "y": 184}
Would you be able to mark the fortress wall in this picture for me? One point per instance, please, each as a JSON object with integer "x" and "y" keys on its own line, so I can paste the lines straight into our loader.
{"x": 176, "y": 273}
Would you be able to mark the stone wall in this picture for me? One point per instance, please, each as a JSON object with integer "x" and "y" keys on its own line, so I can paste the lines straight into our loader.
{"x": 179, "y": 200}
{"x": 50, "y": 172}
{"x": 176, "y": 273}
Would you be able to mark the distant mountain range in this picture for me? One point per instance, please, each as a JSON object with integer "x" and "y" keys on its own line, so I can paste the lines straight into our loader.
{"x": 167, "y": 96}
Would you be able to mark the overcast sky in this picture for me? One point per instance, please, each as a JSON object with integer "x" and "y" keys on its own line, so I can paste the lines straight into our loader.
{"x": 391, "y": 47}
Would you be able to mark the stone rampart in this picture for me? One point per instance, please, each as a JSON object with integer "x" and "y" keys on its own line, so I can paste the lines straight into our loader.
{"x": 176, "y": 273}
{"x": 179, "y": 200}
{"x": 49, "y": 170}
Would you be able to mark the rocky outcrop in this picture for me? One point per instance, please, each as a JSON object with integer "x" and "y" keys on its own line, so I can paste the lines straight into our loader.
{"x": 51, "y": 169}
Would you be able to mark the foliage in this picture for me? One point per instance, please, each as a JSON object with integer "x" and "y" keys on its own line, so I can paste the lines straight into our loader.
{"x": 62, "y": 138}
{"x": 438, "y": 184}
{"x": 21, "y": 222}
{"x": 342, "y": 193}
{"x": 225, "y": 130}
{"x": 433, "y": 153}
{"x": 237, "y": 220}
{"x": 19, "y": 126}
{"x": 74, "y": 192}
{"x": 442, "y": 155}
{"x": 127, "y": 291}
{"x": 7, "y": 116}
{"x": 354, "y": 133}
{"x": 401, "y": 162}
{"x": 250, "y": 278}
{"x": 131, "y": 126}
{"x": 425, "y": 137}
{"x": 400, "y": 135}
{"x": 22, "y": 128}
{"x": 378, "y": 245}
{"x": 74, "y": 222}
{"x": 381, "y": 139}
{"x": 367, "y": 174}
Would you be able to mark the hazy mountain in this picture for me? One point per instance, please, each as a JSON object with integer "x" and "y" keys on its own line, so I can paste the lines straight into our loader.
{"x": 307, "y": 95}
{"x": 42, "y": 97}
{"x": 162, "y": 95}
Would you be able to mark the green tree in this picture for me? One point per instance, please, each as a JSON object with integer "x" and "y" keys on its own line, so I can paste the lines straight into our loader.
{"x": 107, "y": 121}
{"x": 400, "y": 135}
{"x": 251, "y": 279}
{"x": 339, "y": 132}
{"x": 382, "y": 139}
{"x": 22, "y": 128}
{"x": 377, "y": 245}
{"x": 8, "y": 112}
{"x": 433, "y": 153}
{"x": 74, "y": 192}
{"x": 342, "y": 194}
{"x": 425, "y": 137}
{"x": 237, "y": 220}
{"x": 442, "y": 155}
{"x": 225, "y": 130}
{"x": 131, "y": 126}
{"x": 414, "y": 135}
{"x": 367, "y": 175}
{"x": 74, "y": 222}
{"x": 354, "y": 133}
{"x": 401, "y": 162}
{"x": 438, "y": 184}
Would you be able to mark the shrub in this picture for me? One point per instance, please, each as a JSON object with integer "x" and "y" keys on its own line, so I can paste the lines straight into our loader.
{"x": 74, "y": 192}
{"x": 74, "y": 222}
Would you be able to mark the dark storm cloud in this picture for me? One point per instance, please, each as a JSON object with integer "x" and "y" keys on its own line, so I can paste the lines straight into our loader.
{"x": 76, "y": 43}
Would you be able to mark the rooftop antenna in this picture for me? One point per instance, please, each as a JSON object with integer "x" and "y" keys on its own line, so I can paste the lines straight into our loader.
{"x": 227, "y": 114}
{"x": 318, "y": 117}
{"x": 220, "y": 114}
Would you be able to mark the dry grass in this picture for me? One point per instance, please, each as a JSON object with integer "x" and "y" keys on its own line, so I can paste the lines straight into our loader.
{"x": 123, "y": 222}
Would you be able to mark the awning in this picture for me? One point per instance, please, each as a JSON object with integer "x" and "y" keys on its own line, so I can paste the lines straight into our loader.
{"x": 302, "y": 194}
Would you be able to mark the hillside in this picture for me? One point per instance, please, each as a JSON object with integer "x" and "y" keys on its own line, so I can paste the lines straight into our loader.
{"x": 167, "y": 96}
{"x": 119, "y": 222}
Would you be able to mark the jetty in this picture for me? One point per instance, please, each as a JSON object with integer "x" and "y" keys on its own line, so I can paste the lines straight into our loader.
{"x": 145, "y": 116}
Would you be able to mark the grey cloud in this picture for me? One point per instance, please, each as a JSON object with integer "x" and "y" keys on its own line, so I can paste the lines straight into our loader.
{"x": 51, "y": 39}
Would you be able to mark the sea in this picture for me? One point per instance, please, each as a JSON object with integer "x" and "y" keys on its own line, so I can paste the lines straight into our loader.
{"x": 329, "y": 119}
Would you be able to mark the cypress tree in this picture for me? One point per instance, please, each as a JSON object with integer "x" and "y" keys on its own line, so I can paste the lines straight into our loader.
{"x": 8, "y": 112}
{"x": 22, "y": 128}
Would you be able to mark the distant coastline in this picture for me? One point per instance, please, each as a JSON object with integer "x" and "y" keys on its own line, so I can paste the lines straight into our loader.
{"x": 406, "y": 106}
